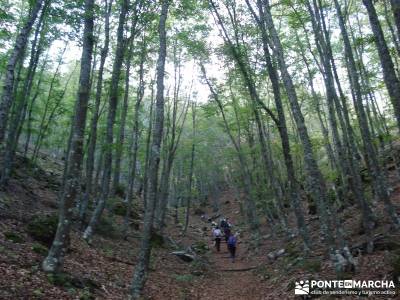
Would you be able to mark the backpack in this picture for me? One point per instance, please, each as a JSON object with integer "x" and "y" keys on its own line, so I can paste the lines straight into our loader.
{"x": 227, "y": 231}
{"x": 232, "y": 241}
{"x": 223, "y": 224}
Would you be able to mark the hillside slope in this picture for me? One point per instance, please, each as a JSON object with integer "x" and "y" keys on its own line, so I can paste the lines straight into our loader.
{"x": 104, "y": 269}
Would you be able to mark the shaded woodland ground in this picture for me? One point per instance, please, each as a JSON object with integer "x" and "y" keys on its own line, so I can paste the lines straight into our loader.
{"x": 104, "y": 269}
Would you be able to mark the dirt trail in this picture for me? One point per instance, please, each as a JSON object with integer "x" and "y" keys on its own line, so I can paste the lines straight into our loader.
{"x": 231, "y": 281}
{"x": 227, "y": 280}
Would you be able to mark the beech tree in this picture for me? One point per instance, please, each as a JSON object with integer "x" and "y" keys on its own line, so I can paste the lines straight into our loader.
{"x": 139, "y": 276}
{"x": 7, "y": 97}
{"x": 54, "y": 260}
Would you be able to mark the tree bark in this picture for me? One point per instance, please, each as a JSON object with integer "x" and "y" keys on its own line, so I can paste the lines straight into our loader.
{"x": 23, "y": 99}
{"x": 135, "y": 141}
{"x": 294, "y": 193}
{"x": 172, "y": 139}
{"x": 54, "y": 260}
{"x": 32, "y": 103}
{"x": 244, "y": 171}
{"x": 48, "y": 103}
{"x": 112, "y": 110}
{"x": 148, "y": 140}
{"x": 92, "y": 143}
{"x": 389, "y": 74}
{"x": 121, "y": 134}
{"x": 139, "y": 276}
{"x": 371, "y": 157}
{"x": 395, "y": 4}
{"x": 7, "y": 97}
{"x": 315, "y": 179}
{"x": 189, "y": 196}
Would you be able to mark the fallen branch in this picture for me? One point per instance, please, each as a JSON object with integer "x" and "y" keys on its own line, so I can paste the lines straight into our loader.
{"x": 185, "y": 256}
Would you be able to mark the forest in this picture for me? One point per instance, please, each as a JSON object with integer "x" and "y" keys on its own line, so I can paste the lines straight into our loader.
{"x": 130, "y": 128}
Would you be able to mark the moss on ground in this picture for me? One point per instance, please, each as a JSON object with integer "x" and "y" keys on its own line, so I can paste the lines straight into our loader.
{"x": 14, "y": 237}
{"x": 43, "y": 228}
{"x": 39, "y": 249}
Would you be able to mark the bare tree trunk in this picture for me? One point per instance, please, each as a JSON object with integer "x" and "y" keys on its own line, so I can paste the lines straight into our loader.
{"x": 32, "y": 104}
{"x": 395, "y": 4}
{"x": 7, "y": 98}
{"x": 23, "y": 99}
{"x": 189, "y": 196}
{"x": 135, "y": 141}
{"x": 371, "y": 157}
{"x": 112, "y": 109}
{"x": 245, "y": 173}
{"x": 315, "y": 179}
{"x": 50, "y": 96}
{"x": 124, "y": 110}
{"x": 139, "y": 276}
{"x": 283, "y": 131}
{"x": 389, "y": 73}
{"x": 393, "y": 34}
{"x": 148, "y": 140}
{"x": 54, "y": 260}
{"x": 95, "y": 117}
{"x": 171, "y": 144}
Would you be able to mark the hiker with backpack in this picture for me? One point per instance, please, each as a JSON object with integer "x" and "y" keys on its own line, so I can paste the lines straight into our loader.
{"x": 227, "y": 233}
{"x": 223, "y": 224}
{"x": 217, "y": 237}
{"x": 232, "y": 241}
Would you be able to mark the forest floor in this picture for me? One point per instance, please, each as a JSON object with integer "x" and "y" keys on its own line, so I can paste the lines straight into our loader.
{"x": 103, "y": 270}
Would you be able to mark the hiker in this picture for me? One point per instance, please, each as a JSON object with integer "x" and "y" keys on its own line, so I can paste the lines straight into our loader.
{"x": 217, "y": 237}
{"x": 223, "y": 223}
{"x": 227, "y": 233}
{"x": 232, "y": 240}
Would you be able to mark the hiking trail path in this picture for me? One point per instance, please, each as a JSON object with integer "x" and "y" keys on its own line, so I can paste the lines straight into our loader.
{"x": 227, "y": 279}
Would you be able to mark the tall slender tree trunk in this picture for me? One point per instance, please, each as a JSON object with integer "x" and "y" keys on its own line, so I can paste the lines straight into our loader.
{"x": 348, "y": 168}
{"x": 95, "y": 117}
{"x": 389, "y": 73}
{"x": 54, "y": 260}
{"x": 395, "y": 37}
{"x": 315, "y": 180}
{"x": 371, "y": 157}
{"x": 171, "y": 144}
{"x": 395, "y": 4}
{"x": 22, "y": 100}
{"x": 244, "y": 171}
{"x": 148, "y": 140}
{"x": 32, "y": 104}
{"x": 50, "y": 96}
{"x": 323, "y": 51}
{"x": 294, "y": 193}
{"x": 189, "y": 196}
{"x": 121, "y": 134}
{"x": 139, "y": 276}
{"x": 7, "y": 97}
{"x": 135, "y": 141}
{"x": 112, "y": 110}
